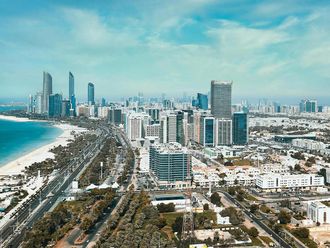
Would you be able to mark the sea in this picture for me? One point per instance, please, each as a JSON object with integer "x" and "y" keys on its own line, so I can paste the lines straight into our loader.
{"x": 20, "y": 138}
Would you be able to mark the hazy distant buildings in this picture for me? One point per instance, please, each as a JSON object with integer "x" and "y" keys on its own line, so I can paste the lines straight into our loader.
{"x": 308, "y": 106}
{"x": 240, "y": 128}
{"x": 91, "y": 91}
{"x": 221, "y": 99}
{"x": 47, "y": 91}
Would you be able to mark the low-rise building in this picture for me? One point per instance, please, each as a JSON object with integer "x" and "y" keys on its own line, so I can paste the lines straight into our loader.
{"x": 319, "y": 211}
{"x": 278, "y": 182}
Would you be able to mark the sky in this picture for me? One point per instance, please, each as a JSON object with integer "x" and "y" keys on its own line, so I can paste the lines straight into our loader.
{"x": 270, "y": 49}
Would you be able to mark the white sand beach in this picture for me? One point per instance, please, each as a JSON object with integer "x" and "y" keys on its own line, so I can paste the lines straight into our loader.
{"x": 18, "y": 165}
{"x": 14, "y": 118}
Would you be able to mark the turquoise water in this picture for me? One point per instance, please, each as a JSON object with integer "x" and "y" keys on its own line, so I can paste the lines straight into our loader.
{"x": 20, "y": 138}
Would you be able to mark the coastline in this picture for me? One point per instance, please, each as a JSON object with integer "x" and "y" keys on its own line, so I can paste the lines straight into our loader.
{"x": 17, "y": 119}
{"x": 40, "y": 154}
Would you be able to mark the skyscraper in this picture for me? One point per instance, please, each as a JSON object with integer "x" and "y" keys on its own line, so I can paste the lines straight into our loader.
{"x": 221, "y": 99}
{"x": 202, "y": 101}
{"x": 240, "y": 128}
{"x": 47, "y": 91}
{"x": 91, "y": 100}
{"x": 55, "y": 105}
{"x": 71, "y": 85}
{"x": 224, "y": 132}
{"x": 207, "y": 130}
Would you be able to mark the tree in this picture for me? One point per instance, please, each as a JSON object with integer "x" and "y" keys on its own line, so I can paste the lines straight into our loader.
{"x": 231, "y": 190}
{"x": 254, "y": 208}
{"x": 301, "y": 232}
{"x": 297, "y": 167}
{"x": 177, "y": 225}
{"x": 216, "y": 199}
{"x": 284, "y": 217}
{"x": 253, "y": 232}
{"x": 165, "y": 208}
{"x": 206, "y": 207}
{"x": 240, "y": 197}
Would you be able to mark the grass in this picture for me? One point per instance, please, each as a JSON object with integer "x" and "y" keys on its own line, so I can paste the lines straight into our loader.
{"x": 266, "y": 239}
{"x": 170, "y": 217}
{"x": 256, "y": 242}
{"x": 250, "y": 197}
{"x": 241, "y": 162}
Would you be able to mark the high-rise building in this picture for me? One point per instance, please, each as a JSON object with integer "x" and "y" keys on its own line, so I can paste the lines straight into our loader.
{"x": 91, "y": 92}
{"x": 207, "y": 130}
{"x": 308, "y": 106}
{"x": 38, "y": 103}
{"x": 55, "y": 105}
{"x": 115, "y": 116}
{"x": 103, "y": 102}
{"x": 179, "y": 127}
{"x": 240, "y": 128}
{"x": 31, "y": 104}
{"x": 47, "y": 91}
{"x": 224, "y": 132}
{"x": 202, "y": 101}
{"x": 221, "y": 99}
{"x": 171, "y": 164}
{"x": 66, "y": 106}
{"x": 71, "y": 85}
{"x": 171, "y": 128}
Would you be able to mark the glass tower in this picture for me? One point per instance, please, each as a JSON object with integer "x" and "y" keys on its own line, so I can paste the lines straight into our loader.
{"x": 47, "y": 91}
{"x": 240, "y": 128}
{"x": 221, "y": 99}
{"x": 91, "y": 100}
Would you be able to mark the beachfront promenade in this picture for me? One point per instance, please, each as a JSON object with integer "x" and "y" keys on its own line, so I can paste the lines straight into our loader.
{"x": 12, "y": 233}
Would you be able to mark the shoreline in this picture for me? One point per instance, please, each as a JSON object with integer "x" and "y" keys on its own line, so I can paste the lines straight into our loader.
{"x": 17, "y": 166}
{"x": 18, "y": 119}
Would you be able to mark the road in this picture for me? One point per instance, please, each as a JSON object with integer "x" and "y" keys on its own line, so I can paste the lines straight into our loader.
{"x": 267, "y": 229}
{"x": 13, "y": 232}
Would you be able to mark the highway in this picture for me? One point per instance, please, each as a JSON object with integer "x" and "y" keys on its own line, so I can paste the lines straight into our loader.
{"x": 12, "y": 234}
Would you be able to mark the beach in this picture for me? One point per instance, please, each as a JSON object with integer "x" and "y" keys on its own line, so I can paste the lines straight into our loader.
{"x": 42, "y": 153}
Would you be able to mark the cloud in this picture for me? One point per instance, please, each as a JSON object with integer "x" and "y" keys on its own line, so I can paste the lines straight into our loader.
{"x": 157, "y": 47}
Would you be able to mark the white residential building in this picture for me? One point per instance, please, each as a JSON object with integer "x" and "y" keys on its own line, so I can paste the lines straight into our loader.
{"x": 275, "y": 181}
{"x": 309, "y": 144}
{"x": 319, "y": 211}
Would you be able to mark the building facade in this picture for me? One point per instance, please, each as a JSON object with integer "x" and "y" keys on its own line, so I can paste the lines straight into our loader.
{"x": 221, "y": 99}
{"x": 240, "y": 128}
{"x": 47, "y": 91}
{"x": 91, "y": 92}
{"x": 171, "y": 165}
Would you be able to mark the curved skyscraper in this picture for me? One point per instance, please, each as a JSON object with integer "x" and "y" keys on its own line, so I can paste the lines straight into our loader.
{"x": 221, "y": 99}
{"x": 47, "y": 91}
{"x": 91, "y": 100}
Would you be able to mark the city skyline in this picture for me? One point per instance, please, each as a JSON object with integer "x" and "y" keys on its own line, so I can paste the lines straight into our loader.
{"x": 264, "y": 47}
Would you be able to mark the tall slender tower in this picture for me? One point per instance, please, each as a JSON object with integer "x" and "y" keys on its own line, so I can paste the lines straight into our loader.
{"x": 221, "y": 99}
{"x": 47, "y": 91}
{"x": 71, "y": 85}
{"x": 91, "y": 100}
